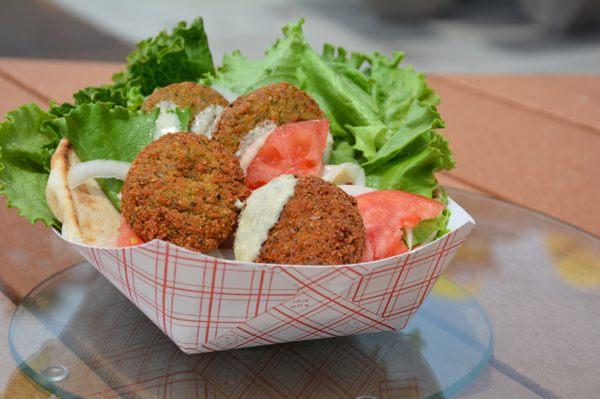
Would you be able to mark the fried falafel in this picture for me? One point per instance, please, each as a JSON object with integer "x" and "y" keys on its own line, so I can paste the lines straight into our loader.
{"x": 276, "y": 103}
{"x": 303, "y": 220}
{"x": 205, "y": 104}
{"x": 190, "y": 95}
{"x": 184, "y": 188}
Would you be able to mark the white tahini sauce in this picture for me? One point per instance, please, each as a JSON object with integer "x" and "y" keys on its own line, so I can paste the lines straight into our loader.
{"x": 345, "y": 173}
{"x": 167, "y": 121}
{"x": 253, "y": 141}
{"x": 262, "y": 211}
{"x": 239, "y": 204}
{"x": 205, "y": 121}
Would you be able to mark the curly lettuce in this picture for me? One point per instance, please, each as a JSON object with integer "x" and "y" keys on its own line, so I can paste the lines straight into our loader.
{"x": 382, "y": 116}
{"x": 181, "y": 55}
{"x": 429, "y": 230}
{"x": 26, "y": 147}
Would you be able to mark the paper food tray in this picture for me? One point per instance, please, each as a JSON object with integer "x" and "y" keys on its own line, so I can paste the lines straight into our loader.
{"x": 207, "y": 304}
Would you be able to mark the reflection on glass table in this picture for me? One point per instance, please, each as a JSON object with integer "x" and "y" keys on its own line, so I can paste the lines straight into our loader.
{"x": 538, "y": 280}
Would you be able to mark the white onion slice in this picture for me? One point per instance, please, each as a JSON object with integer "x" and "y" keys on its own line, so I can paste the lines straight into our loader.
{"x": 355, "y": 190}
{"x": 409, "y": 237}
{"x": 345, "y": 173}
{"x": 98, "y": 168}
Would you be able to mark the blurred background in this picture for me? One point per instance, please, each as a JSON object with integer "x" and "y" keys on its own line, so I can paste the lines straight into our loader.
{"x": 486, "y": 36}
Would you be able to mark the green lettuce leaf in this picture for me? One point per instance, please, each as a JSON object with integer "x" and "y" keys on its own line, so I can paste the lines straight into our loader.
{"x": 395, "y": 87}
{"x": 414, "y": 169}
{"x": 103, "y": 131}
{"x": 182, "y": 55}
{"x": 431, "y": 229}
{"x": 343, "y": 152}
{"x": 26, "y": 147}
{"x": 382, "y": 115}
{"x": 292, "y": 60}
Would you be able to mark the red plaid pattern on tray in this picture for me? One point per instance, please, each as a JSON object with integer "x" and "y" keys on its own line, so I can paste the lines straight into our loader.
{"x": 207, "y": 304}
{"x": 137, "y": 360}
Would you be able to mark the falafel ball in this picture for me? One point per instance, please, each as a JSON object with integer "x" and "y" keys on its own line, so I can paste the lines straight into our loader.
{"x": 184, "y": 188}
{"x": 300, "y": 220}
{"x": 280, "y": 103}
{"x": 185, "y": 94}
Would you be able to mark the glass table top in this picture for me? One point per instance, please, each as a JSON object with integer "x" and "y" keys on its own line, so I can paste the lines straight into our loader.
{"x": 538, "y": 280}
{"x": 78, "y": 336}
{"x": 533, "y": 280}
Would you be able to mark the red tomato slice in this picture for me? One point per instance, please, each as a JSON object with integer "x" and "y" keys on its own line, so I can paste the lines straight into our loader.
{"x": 294, "y": 148}
{"x": 386, "y": 213}
{"x": 127, "y": 237}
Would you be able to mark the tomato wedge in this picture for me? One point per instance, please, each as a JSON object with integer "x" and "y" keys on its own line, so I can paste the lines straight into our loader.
{"x": 293, "y": 148}
{"x": 386, "y": 213}
{"x": 127, "y": 237}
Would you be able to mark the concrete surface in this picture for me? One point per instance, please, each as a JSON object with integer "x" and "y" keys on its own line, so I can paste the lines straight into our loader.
{"x": 37, "y": 28}
{"x": 473, "y": 36}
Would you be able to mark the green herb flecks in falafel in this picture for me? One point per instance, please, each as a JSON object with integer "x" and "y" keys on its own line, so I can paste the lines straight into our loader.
{"x": 280, "y": 103}
{"x": 183, "y": 188}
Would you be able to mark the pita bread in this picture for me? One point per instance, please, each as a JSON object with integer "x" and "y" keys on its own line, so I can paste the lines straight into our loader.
{"x": 87, "y": 215}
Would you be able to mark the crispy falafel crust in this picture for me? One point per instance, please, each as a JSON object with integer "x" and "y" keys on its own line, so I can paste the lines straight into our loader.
{"x": 320, "y": 225}
{"x": 279, "y": 102}
{"x": 186, "y": 94}
{"x": 183, "y": 188}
